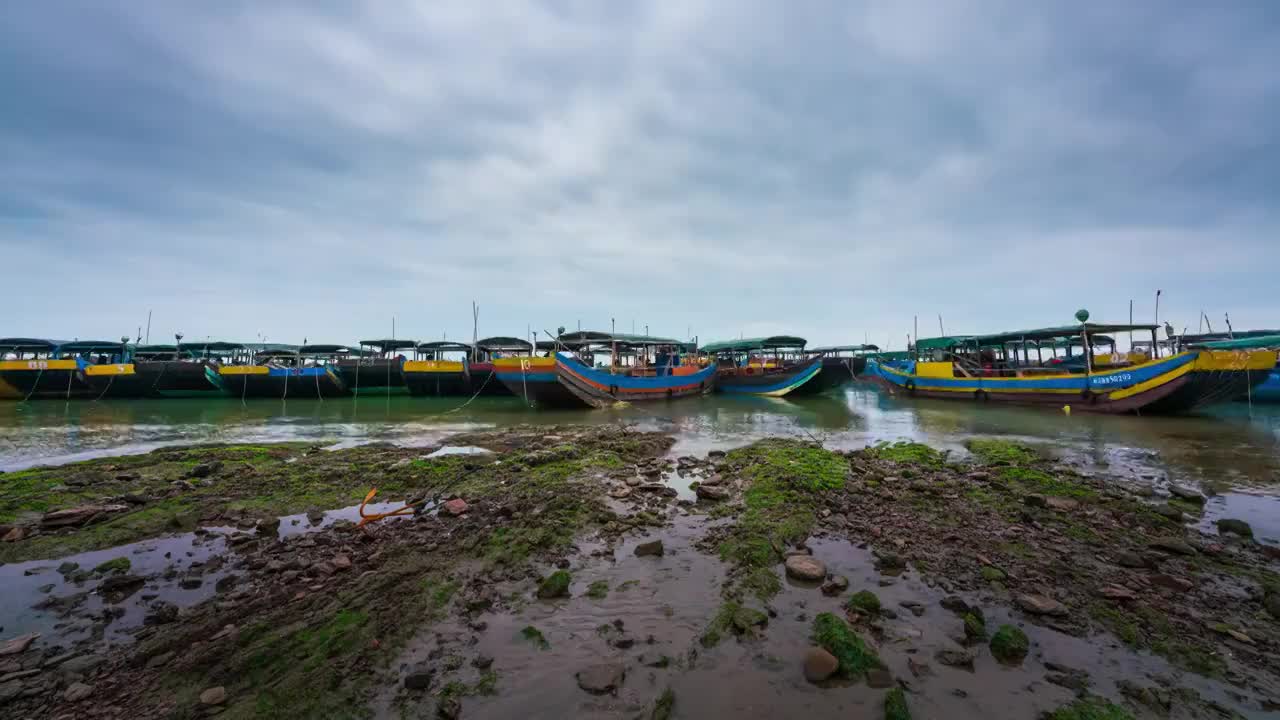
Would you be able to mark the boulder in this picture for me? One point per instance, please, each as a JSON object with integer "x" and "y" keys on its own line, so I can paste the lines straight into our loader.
{"x": 805, "y": 567}
{"x": 76, "y": 692}
{"x": 454, "y": 507}
{"x": 652, "y": 548}
{"x": 836, "y": 585}
{"x": 712, "y": 492}
{"x": 1235, "y": 527}
{"x": 82, "y": 515}
{"x": 956, "y": 658}
{"x": 1175, "y": 546}
{"x": 1185, "y": 493}
{"x": 13, "y": 646}
{"x": 214, "y": 696}
{"x": 1061, "y": 504}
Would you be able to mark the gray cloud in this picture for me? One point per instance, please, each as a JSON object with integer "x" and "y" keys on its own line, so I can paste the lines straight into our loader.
{"x": 831, "y": 169}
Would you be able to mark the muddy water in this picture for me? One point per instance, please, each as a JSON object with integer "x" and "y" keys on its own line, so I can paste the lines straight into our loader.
{"x": 664, "y": 605}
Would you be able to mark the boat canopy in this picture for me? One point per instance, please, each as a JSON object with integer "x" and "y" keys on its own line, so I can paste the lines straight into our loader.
{"x": 507, "y": 344}
{"x": 1259, "y": 342}
{"x": 322, "y": 349}
{"x": 274, "y": 348}
{"x": 762, "y": 343}
{"x": 215, "y": 346}
{"x": 946, "y": 342}
{"x": 1056, "y": 333}
{"x": 579, "y": 338}
{"x": 1214, "y": 337}
{"x": 275, "y": 353}
{"x": 844, "y": 348}
{"x": 29, "y": 345}
{"x": 155, "y": 349}
{"x": 442, "y": 345}
{"x": 390, "y": 344}
{"x": 89, "y": 346}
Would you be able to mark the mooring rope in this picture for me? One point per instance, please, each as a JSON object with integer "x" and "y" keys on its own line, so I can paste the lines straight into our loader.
{"x": 34, "y": 385}
{"x": 105, "y": 389}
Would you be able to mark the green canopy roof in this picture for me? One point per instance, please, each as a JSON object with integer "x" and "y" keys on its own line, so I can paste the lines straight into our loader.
{"x": 324, "y": 349}
{"x": 1246, "y": 343}
{"x": 443, "y": 346}
{"x": 761, "y": 343}
{"x": 1213, "y": 337}
{"x": 942, "y": 343}
{"x": 389, "y": 344}
{"x": 1055, "y": 333}
{"x": 80, "y": 346}
{"x": 29, "y": 344}
{"x": 843, "y": 348}
{"x": 578, "y": 338}
{"x": 505, "y": 343}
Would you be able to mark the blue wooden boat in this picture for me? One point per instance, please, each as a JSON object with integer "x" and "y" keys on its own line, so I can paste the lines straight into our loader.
{"x": 641, "y": 368}
{"x": 180, "y": 371}
{"x": 34, "y": 368}
{"x": 284, "y": 372}
{"x": 988, "y": 368}
{"x": 841, "y": 365}
{"x": 774, "y": 366}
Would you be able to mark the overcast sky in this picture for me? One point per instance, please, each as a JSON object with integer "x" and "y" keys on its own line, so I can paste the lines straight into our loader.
{"x": 829, "y": 169}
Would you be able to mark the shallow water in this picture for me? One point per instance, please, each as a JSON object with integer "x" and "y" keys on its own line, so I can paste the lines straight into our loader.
{"x": 1232, "y": 447}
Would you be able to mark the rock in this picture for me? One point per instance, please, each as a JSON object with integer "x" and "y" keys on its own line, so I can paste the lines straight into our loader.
{"x": 555, "y": 585}
{"x": 956, "y": 658}
{"x": 1173, "y": 582}
{"x": 419, "y": 679}
{"x": 819, "y": 665}
{"x": 1170, "y": 512}
{"x": 651, "y": 548}
{"x": 482, "y": 662}
{"x": 879, "y": 678}
{"x": 1117, "y": 592}
{"x": 1009, "y": 645}
{"x": 76, "y": 692}
{"x": 204, "y": 470}
{"x": 805, "y": 567}
{"x": 956, "y": 604}
{"x": 916, "y": 608}
{"x": 1236, "y": 527}
{"x": 1062, "y": 504}
{"x": 448, "y": 708}
{"x": 601, "y": 679}
{"x": 81, "y": 665}
{"x": 835, "y": 585}
{"x": 269, "y": 526}
{"x": 10, "y": 690}
{"x": 1034, "y": 500}
{"x": 226, "y": 583}
{"x": 14, "y": 534}
{"x": 619, "y": 492}
{"x": 341, "y": 562}
{"x": 918, "y": 668}
{"x": 655, "y": 660}
{"x": 712, "y": 492}
{"x": 455, "y": 507}
{"x": 213, "y": 696}
{"x": 889, "y": 561}
{"x": 162, "y": 613}
{"x": 315, "y": 516}
{"x": 1041, "y": 605}
{"x": 13, "y": 646}
{"x": 67, "y": 568}
{"x": 82, "y": 515}
{"x": 1185, "y": 493}
{"x": 1130, "y": 560}
{"x": 1173, "y": 546}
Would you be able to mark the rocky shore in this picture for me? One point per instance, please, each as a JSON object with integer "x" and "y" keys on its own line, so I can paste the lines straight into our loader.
{"x": 590, "y": 572}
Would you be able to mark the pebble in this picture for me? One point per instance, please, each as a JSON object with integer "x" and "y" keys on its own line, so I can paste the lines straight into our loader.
{"x": 76, "y": 692}
{"x": 455, "y": 507}
{"x": 1041, "y": 605}
{"x": 956, "y": 658}
{"x": 819, "y": 665}
{"x": 653, "y": 547}
{"x": 601, "y": 679}
{"x": 213, "y": 696}
{"x": 836, "y": 585}
{"x": 879, "y": 679}
{"x": 805, "y": 567}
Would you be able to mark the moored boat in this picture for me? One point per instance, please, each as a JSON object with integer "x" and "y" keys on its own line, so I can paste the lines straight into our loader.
{"x": 1268, "y": 391}
{"x": 988, "y": 368}
{"x": 774, "y": 366}
{"x": 106, "y": 368}
{"x": 486, "y": 352}
{"x": 377, "y": 367}
{"x": 841, "y": 365}
{"x": 283, "y": 372}
{"x": 640, "y": 368}
{"x": 180, "y": 371}
{"x": 439, "y": 368}
{"x": 31, "y": 369}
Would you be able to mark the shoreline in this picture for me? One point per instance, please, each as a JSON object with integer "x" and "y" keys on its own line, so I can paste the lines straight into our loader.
{"x": 326, "y": 616}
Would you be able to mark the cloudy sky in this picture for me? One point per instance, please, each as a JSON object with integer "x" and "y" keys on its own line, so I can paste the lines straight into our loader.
{"x": 830, "y": 169}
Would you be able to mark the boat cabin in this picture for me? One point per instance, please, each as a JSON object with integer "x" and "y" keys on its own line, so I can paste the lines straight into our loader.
{"x": 28, "y": 348}
{"x": 627, "y": 354}
{"x": 1027, "y": 353}
{"x": 758, "y": 354}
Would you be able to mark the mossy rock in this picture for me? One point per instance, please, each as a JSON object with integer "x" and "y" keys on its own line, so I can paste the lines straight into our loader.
{"x": 975, "y": 628}
{"x": 555, "y": 585}
{"x": 992, "y": 574}
{"x": 1237, "y": 527}
{"x": 1009, "y": 645}
{"x": 864, "y": 601}
{"x": 837, "y": 638}
{"x": 895, "y": 705}
{"x": 1001, "y": 452}
{"x": 598, "y": 590}
{"x": 120, "y": 564}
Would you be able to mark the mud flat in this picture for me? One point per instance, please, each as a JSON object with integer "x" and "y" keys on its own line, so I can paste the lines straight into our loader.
{"x": 590, "y": 572}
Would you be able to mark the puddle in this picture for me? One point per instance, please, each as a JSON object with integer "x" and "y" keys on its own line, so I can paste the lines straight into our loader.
{"x": 448, "y": 450}
{"x": 1262, "y": 512}
{"x": 665, "y": 604}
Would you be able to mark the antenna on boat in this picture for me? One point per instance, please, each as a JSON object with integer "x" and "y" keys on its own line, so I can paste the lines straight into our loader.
{"x": 940, "y": 330}
{"x": 148, "y": 327}
{"x": 1230, "y": 332}
{"x": 1131, "y": 323}
{"x": 1158, "y": 306}
{"x": 475, "y": 330}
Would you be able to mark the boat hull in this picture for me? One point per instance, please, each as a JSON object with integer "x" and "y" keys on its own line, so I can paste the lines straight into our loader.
{"x": 771, "y": 383}
{"x": 255, "y": 381}
{"x": 562, "y": 381}
{"x": 1268, "y": 391}
{"x": 114, "y": 381}
{"x": 836, "y": 373}
{"x": 175, "y": 379}
{"x": 380, "y": 377}
{"x": 44, "y": 379}
{"x": 1178, "y": 384}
